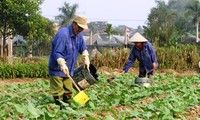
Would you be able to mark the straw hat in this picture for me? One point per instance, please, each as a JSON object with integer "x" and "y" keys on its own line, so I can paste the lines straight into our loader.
{"x": 81, "y": 21}
{"x": 137, "y": 37}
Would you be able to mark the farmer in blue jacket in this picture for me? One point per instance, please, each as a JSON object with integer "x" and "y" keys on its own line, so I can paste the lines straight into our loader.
{"x": 144, "y": 52}
{"x": 67, "y": 44}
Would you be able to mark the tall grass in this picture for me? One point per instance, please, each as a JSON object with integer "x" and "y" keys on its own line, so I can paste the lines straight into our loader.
{"x": 114, "y": 58}
{"x": 177, "y": 58}
{"x": 182, "y": 57}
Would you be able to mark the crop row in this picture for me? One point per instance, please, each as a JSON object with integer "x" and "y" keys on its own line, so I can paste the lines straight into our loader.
{"x": 122, "y": 99}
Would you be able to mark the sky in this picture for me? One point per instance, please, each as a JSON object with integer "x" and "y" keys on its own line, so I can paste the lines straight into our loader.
{"x": 131, "y": 13}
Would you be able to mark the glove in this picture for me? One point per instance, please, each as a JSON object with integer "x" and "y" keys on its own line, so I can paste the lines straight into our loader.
{"x": 154, "y": 65}
{"x": 122, "y": 72}
{"x": 86, "y": 59}
{"x": 199, "y": 64}
{"x": 63, "y": 65}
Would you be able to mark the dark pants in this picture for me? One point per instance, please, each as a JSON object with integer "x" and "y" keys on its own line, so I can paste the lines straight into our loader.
{"x": 149, "y": 75}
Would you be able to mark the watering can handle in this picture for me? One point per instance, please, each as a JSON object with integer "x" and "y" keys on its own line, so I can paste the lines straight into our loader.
{"x": 73, "y": 82}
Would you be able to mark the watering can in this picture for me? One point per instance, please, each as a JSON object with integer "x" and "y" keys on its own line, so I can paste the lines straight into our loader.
{"x": 143, "y": 81}
{"x": 84, "y": 77}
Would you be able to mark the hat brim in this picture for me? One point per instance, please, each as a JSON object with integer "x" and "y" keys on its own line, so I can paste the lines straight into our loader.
{"x": 134, "y": 41}
{"x": 83, "y": 26}
{"x": 137, "y": 37}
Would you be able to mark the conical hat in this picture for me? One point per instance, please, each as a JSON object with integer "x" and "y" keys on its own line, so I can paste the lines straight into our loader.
{"x": 137, "y": 37}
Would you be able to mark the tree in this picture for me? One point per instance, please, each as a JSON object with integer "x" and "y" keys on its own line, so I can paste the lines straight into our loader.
{"x": 109, "y": 29}
{"x": 194, "y": 11}
{"x": 160, "y": 26}
{"x": 118, "y": 31}
{"x": 67, "y": 14}
{"x": 40, "y": 29}
{"x": 181, "y": 24}
{"x": 13, "y": 14}
{"x": 92, "y": 27}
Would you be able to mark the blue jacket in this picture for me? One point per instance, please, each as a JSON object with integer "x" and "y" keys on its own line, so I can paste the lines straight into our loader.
{"x": 68, "y": 46}
{"x": 145, "y": 57}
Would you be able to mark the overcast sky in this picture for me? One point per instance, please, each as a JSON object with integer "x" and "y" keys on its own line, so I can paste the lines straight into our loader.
{"x": 117, "y": 12}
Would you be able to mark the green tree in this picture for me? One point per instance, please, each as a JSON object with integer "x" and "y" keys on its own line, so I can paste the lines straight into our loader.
{"x": 178, "y": 8}
{"x": 109, "y": 29}
{"x": 67, "y": 13}
{"x": 13, "y": 15}
{"x": 184, "y": 22}
{"x": 160, "y": 26}
{"x": 194, "y": 11}
{"x": 40, "y": 29}
{"x": 118, "y": 31}
{"x": 92, "y": 27}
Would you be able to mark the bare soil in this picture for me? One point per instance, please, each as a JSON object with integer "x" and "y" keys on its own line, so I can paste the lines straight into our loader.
{"x": 160, "y": 71}
{"x": 18, "y": 80}
{"x": 108, "y": 71}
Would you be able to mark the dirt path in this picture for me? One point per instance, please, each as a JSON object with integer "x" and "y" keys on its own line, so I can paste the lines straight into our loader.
{"x": 18, "y": 80}
{"x": 159, "y": 71}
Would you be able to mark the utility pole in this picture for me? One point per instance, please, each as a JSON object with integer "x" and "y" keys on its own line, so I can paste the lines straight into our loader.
{"x": 197, "y": 29}
{"x": 91, "y": 37}
{"x": 126, "y": 34}
{"x": 125, "y": 38}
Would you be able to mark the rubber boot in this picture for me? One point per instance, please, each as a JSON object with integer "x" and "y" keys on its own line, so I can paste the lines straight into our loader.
{"x": 56, "y": 99}
{"x": 57, "y": 102}
{"x": 151, "y": 78}
{"x": 66, "y": 97}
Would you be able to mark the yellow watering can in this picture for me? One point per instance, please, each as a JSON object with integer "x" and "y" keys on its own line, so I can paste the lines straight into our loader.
{"x": 81, "y": 97}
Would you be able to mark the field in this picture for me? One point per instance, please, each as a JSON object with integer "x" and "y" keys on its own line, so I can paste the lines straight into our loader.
{"x": 174, "y": 95}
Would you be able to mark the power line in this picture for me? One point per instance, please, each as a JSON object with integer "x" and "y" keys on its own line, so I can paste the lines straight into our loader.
{"x": 105, "y": 19}
{"x": 114, "y": 19}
